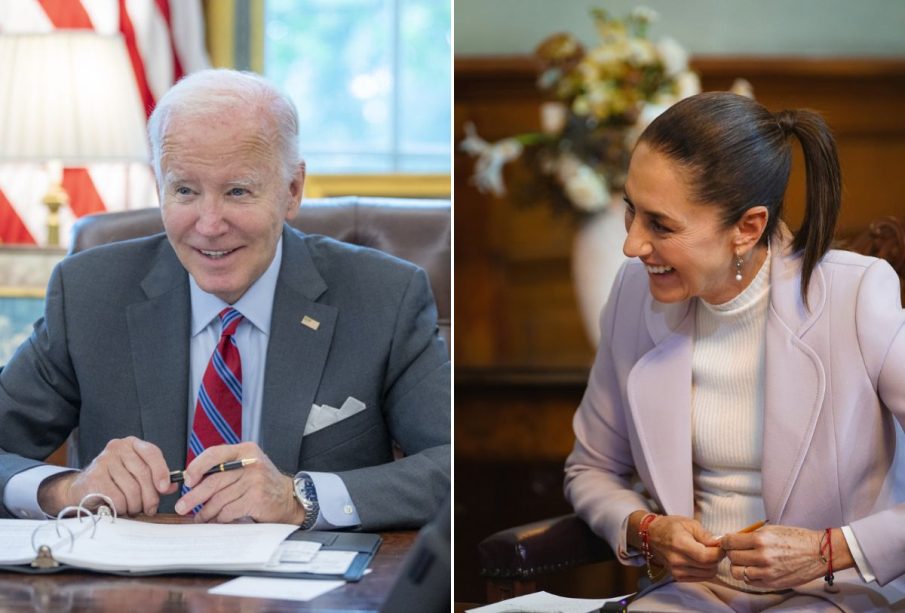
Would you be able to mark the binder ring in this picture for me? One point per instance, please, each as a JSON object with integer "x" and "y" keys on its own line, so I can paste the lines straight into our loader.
{"x": 78, "y": 513}
{"x": 37, "y": 548}
{"x": 103, "y": 510}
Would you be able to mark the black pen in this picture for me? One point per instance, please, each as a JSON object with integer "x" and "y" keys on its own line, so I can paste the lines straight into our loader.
{"x": 177, "y": 476}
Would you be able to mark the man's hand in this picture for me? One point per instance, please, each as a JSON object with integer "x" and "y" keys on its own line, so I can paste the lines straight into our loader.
{"x": 780, "y": 556}
{"x": 258, "y": 491}
{"x": 130, "y": 471}
{"x": 688, "y": 551}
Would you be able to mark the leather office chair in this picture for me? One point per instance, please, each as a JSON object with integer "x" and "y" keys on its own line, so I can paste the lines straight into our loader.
{"x": 885, "y": 238}
{"x": 513, "y": 561}
{"x": 414, "y": 230}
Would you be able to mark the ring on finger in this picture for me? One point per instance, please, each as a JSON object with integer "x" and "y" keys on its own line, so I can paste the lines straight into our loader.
{"x": 745, "y": 574}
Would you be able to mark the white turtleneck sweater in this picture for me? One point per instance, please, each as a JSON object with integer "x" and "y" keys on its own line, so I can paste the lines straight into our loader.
{"x": 727, "y": 411}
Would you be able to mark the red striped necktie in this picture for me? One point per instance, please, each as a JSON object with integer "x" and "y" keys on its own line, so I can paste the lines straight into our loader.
{"x": 218, "y": 410}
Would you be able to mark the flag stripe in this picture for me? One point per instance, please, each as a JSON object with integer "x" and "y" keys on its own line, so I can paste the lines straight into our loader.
{"x": 164, "y": 40}
{"x": 164, "y": 7}
{"x": 83, "y": 197}
{"x": 67, "y": 14}
{"x": 12, "y": 230}
{"x": 138, "y": 66}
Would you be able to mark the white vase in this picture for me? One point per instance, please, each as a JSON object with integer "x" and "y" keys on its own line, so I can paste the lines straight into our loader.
{"x": 596, "y": 258}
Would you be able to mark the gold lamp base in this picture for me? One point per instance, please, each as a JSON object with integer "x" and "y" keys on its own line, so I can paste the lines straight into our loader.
{"x": 55, "y": 198}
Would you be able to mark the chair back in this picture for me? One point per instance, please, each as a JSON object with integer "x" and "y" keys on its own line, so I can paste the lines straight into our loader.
{"x": 884, "y": 238}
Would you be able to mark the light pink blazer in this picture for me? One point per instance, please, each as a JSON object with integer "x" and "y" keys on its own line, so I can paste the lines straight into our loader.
{"x": 835, "y": 388}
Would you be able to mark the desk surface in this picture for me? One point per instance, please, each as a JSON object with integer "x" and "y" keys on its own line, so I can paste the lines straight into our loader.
{"x": 78, "y": 591}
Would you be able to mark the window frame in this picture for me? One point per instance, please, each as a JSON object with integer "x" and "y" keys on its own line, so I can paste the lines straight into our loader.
{"x": 235, "y": 39}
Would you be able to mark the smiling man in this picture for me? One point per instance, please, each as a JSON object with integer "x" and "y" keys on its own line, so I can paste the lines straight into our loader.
{"x": 232, "y": 337}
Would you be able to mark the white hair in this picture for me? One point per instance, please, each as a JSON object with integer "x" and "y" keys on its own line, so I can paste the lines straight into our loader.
{"x": 220, "y": 91}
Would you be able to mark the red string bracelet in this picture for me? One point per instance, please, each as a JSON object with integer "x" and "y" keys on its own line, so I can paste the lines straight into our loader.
{"x": 644, "y": 533}
{"x": 828, "y": 578}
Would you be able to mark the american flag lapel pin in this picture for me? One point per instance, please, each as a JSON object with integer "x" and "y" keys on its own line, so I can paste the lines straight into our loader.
{"x": 311, "y": 323}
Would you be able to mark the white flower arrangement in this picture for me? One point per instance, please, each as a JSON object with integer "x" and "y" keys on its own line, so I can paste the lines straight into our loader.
{"x": 600, "y": 101}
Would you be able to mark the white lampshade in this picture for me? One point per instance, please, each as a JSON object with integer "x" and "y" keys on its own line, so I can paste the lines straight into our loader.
{"x": 69, "y": 96}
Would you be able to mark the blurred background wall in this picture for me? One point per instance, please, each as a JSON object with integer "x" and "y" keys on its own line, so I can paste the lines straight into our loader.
{"x": 815, "y": 28}
{"x": 521, "y": 353}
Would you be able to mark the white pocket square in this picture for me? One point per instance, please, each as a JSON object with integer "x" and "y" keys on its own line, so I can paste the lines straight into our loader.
{"x": 323, "y": 415}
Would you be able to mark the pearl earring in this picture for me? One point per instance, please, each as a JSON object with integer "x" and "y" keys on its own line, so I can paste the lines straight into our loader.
{"x": 738, "y": 267}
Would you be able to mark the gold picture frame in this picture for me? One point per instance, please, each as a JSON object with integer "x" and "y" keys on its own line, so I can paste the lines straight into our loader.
{"x": 393, "y": 185}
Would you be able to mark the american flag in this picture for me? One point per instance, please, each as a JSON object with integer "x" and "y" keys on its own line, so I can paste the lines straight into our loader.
{"x": 165, "y": 40}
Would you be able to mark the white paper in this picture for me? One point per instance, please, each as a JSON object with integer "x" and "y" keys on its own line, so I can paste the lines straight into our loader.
{"x": 323, "y": 563}
{"x": 138, "y": 545}
{"x": 15, "y": 536}
{"x": 544, "y": 602}
{"x": 297, "y": 551}
{"x": 131, "y": 545}
{"x": 282, "y": 589}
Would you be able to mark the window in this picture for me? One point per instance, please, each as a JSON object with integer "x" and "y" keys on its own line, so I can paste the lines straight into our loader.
{"x": 370, "y": 78}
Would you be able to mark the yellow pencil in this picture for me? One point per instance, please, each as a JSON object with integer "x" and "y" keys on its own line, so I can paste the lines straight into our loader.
{"x": 755, "y": 526}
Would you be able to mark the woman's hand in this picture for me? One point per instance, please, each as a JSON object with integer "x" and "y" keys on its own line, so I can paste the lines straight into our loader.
{"x": 782, "y": 557}
{"x": 681, "y": 544}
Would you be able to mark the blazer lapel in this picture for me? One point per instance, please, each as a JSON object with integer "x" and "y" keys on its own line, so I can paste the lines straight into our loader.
{"x": 159, "y": 338}
{"x": 301, "y": 332}
{"x": 659, "y": 396}
{"x": 795, "y": 379}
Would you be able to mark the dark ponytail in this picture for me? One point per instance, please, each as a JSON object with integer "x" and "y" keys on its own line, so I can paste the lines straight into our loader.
{"x": 824, "y": 188}
{"x": 737, "y": 155}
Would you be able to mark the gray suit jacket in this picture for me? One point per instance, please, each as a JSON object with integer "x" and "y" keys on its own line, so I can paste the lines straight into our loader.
{"x": 111, "y": 357}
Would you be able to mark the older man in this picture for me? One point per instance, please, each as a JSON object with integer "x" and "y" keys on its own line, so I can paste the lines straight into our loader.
{"x": 232, "y": 337}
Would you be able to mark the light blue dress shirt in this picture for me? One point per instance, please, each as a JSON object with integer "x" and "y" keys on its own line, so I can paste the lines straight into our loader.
{"x": 256, "y": 305}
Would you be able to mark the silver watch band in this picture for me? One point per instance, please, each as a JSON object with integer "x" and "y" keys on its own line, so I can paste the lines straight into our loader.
{"x": 306, "y": 494}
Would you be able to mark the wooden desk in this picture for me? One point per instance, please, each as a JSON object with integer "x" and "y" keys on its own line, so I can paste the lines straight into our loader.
{"x": 77, "y": 591}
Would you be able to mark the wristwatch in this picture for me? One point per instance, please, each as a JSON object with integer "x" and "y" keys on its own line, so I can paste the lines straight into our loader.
{"x": 305, "y": 492}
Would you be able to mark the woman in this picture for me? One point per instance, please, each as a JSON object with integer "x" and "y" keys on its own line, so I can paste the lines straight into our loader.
{"x": 744, "y": 375}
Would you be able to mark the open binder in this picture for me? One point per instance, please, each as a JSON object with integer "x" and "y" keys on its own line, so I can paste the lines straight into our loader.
{"x": 103, "y": 542}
